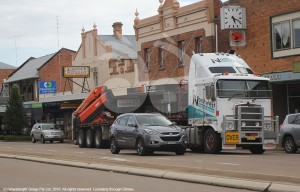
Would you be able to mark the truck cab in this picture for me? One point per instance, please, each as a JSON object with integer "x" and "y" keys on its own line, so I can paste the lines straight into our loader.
{"x": 229, "y": 106}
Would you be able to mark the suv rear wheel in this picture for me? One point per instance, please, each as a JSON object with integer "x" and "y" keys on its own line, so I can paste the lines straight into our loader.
{"x": 289, "y": 145}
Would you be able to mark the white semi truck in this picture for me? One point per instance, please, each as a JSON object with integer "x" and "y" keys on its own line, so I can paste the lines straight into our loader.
{"x": 229, "y": 106}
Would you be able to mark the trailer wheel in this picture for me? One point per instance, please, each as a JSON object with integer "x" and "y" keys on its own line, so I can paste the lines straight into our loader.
{"x": 89, "y": 139}
{"x": 212, "y": 142}
{"x": 81, "y": 139}
{"x": 257, "y": 149}
{"x": 98, "y": 138}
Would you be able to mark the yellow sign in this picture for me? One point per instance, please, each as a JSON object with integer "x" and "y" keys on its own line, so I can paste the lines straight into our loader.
{"x": 232, "y": 137}
{"x": 76, "y": 72}
{"x": 296, "y": 67}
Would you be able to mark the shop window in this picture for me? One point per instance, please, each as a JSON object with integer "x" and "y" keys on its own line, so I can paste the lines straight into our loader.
{"x": 282, "y": 35}
{"x": 296, "y": 33}
{"x": 161, "y": 55}
{"x": 285, "y": 35}
{"x": 147, "y": 59}
{"x": 198, "y": 45}
{"x": 181, "y": 52}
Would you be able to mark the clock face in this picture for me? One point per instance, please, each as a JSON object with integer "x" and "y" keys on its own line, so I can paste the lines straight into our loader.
{"x": 233, "y": 18}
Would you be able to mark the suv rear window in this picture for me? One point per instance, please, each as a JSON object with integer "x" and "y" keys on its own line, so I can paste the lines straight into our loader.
{"x": 294, "y": 119}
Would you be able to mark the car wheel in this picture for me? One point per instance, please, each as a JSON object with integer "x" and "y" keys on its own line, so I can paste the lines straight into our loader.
{"x": 180, "y": 151}
{"x": 81, "y": 139}
{"x": 42, "y": 139}
{"x": 289, "y": 145}
{"x": 98, "y": 139}
{"x": 89, "y": 139}
{"x": 51, "y": 141}
{"x": 212, "y": 142}
{"x": 33, "y": 139}
{"x": 257, "y": 149}
{"x": 140, "y": 147}
{"x": 114, "y": 146}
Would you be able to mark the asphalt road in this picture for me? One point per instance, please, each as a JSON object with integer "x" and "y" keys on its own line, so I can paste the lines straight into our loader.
{"x": 16, "y": 175}
{"x": 271, "y": 166}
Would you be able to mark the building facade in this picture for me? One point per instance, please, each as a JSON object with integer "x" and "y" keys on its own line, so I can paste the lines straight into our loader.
{"x": 165, "y": 44}
{"x": 40, "y": 79}
{"x": 273, "y": 48}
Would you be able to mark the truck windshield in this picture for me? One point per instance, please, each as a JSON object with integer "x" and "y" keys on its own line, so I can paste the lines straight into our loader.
{"x": 243, "y": 89}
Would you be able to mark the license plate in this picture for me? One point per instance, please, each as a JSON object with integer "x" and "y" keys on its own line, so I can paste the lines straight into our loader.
{"x": 232, "y": 137}
{"x": 251, "y": 138}
{"x": 171, "y": 142}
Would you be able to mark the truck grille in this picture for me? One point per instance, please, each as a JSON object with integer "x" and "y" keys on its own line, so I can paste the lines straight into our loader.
{"x": 251, "y": 117}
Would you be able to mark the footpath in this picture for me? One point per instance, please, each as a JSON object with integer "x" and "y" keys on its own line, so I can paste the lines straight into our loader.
{"x": 239, "y": 183}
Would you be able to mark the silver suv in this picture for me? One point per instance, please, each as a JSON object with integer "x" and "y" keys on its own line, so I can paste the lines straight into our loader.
{"x": 290, "y": 133}
{"x": 146, "y": 132}
{"x": 46, "y": 132}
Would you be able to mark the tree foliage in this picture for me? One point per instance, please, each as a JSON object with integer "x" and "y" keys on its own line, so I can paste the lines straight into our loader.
{"x": 14, "y": 118}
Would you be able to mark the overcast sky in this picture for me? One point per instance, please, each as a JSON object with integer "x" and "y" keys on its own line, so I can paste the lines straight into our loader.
{"x": 31, "y": 25}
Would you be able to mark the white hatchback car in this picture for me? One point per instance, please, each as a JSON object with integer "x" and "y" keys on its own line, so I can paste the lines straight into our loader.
{"x": 46, "y": 132}
{"x": 290, "y": 133}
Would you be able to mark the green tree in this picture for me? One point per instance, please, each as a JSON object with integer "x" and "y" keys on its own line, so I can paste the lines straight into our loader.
{"x": 14, "y": 118}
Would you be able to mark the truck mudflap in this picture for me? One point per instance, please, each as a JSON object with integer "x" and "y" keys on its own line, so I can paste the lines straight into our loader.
{"x": 242, "y": 130}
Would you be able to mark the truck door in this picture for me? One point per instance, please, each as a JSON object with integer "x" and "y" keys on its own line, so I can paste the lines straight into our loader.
{"x": 131, "y": 131}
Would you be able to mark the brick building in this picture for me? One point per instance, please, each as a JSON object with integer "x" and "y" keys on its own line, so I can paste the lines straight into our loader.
{"x": 165, "y": 44}
{"x": 35, "y": 77}
{"x": 273, "y": 48}
{"x": 5, "y": 71}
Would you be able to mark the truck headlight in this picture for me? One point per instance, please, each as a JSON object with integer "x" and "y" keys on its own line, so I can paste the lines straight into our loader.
{"x": 230, "y": 126}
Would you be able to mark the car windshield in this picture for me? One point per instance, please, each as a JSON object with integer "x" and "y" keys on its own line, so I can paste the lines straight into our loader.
{"x": 50, "y": 127}
{"x": 153, "y": 120}
{"x": 243, "y": 89}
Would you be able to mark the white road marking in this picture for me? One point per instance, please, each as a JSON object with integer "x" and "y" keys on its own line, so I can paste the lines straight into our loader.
{"x": 114, "y": 159}
{"x": 51, "y": 150}
{"x": 233, "y": 164}
{"x": 162, "y": 158}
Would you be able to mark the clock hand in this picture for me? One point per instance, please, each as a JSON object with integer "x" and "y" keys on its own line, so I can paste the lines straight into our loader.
{"x": 232, "y": 17}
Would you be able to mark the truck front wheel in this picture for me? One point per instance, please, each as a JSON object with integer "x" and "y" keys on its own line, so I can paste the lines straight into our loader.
{"x": 81, "y": 139}
{"x": 212, "y": 142}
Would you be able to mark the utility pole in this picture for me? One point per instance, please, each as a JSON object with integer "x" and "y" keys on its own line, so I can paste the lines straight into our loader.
{"x": 16, "y": 48}
{"x": 57, "y": 26}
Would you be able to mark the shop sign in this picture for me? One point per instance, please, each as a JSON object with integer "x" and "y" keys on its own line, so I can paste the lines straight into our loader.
{"x": 36, "y": 105}
{"x": 296, "y": 67}
{"x": 128, "y": 102}
{"x": 273, "y": 77}
{"x": 150, "y": 89}
{"x": 47, "y": 87}
{"x": 76, "y": 72}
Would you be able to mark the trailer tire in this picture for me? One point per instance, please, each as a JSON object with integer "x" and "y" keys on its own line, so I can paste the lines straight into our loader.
{"x": 256, "y": 149}
{"x": 212, "y": 142}
{"x": 98, "y": 138}
{"x": 89, "y": 138}
{"x": 81, "y": 139}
